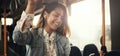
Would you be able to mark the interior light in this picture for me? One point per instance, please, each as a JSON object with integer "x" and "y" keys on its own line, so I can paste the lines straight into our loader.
{"x": 9, "y": 21}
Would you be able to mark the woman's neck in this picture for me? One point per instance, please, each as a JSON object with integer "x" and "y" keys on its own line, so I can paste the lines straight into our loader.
{"x": 48, "y": 30}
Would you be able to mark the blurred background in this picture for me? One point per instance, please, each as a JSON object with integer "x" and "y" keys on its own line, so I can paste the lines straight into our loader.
{"x": 85, "y": 21}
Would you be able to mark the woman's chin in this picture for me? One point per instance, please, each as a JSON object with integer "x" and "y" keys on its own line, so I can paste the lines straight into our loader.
{"x": 54, "y": 28}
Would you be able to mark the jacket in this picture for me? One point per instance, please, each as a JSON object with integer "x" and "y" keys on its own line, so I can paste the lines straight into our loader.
{"x": 34, "y": 39}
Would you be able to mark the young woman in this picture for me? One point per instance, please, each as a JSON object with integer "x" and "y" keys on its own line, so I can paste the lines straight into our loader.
{"x": 49, "y": 38}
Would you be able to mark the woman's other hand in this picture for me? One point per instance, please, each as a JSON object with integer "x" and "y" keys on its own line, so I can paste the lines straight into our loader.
{"x": 31, "y": 6}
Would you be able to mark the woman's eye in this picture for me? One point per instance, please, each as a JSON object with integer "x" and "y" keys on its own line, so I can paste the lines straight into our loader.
{"x": 62, "y": 17}
{"x": 56, "y": 15}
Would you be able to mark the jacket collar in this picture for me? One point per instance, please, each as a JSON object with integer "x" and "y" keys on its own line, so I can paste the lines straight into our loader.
{"x": 41, "y": 30}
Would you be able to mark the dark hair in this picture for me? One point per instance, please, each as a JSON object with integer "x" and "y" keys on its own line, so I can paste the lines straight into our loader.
{"x": 64, "y": 29}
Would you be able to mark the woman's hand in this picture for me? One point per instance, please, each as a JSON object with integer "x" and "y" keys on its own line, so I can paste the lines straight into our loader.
{"x": 33, "y": 1}
{"x": 31, "y": 6}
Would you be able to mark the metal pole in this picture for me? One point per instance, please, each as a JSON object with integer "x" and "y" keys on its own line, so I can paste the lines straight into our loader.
{"x": 5, "y": 42}
{"x": 103, "y": 26}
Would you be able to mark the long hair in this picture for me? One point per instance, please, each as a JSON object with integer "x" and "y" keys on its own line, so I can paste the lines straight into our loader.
{"x": 64, "y": 28}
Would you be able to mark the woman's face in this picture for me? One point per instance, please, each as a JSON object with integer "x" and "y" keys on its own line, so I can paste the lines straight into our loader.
{"x": 54, "y": 19}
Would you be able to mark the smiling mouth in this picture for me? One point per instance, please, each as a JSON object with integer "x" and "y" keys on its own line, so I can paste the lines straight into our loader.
{"x": 56, "y": 23}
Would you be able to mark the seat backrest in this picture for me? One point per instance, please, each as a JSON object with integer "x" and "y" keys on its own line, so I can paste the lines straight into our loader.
{"x": 112, "y": 53}
{"x": 75, "y": 51}
{"x": 90, "y": 50}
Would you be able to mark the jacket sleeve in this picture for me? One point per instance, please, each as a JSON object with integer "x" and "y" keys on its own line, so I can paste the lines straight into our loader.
{"x": 67, "y": 47}
{"x": 21, "y": 34}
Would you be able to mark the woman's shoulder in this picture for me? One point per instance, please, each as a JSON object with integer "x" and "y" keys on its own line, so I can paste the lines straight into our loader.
{"x": 63, "y": 38}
